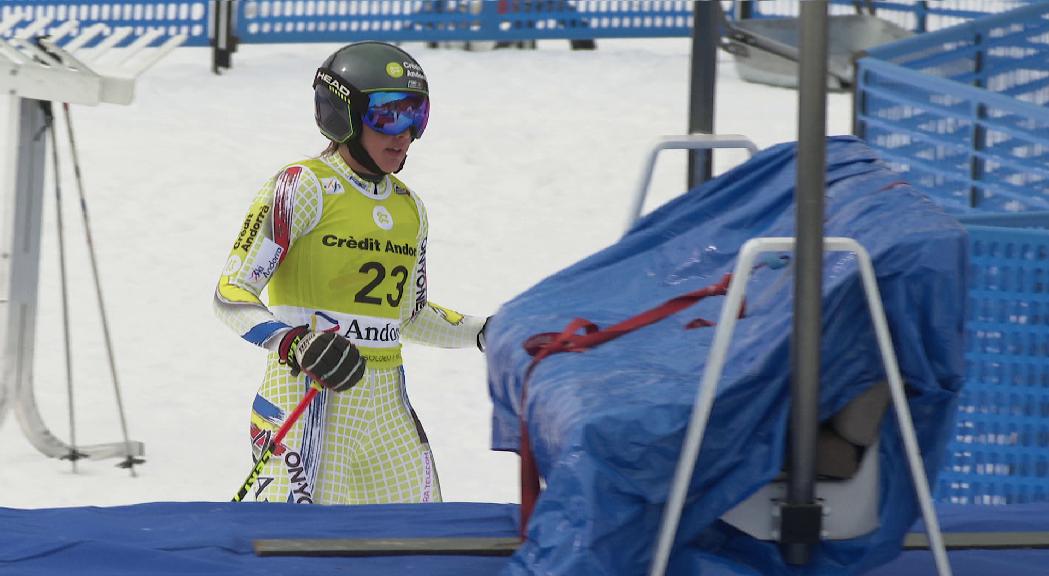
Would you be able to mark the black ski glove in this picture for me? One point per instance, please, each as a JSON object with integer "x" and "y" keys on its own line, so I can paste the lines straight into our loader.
{"x": 328, "y": 358}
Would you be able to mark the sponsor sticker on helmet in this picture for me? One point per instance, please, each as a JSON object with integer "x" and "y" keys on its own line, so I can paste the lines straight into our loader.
{"x": 394, "y": 70}
{"x": 414, "y": 70}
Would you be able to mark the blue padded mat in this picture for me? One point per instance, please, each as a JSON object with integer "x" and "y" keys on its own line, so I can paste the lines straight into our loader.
{"x": 215, "y": 539}
{"x": 212, "y": 539}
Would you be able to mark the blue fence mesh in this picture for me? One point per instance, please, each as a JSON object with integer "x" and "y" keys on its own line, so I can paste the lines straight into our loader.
{"x": 914, "y": 16}
{"x": 962, "y": 111}
{"x": 340, "y": 20}
{"x": 277, "y": 21}
{"x": 187, "y": 17}
{"x": 1000, "y": 452}
{"x": 470, "y": 20}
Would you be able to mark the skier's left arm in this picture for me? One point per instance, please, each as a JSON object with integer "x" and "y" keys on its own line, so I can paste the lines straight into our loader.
{"x": 435, "y": 325}
{"x": 430, "y": 323}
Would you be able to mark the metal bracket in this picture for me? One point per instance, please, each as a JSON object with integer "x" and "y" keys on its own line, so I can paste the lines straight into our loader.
{"x": 712, "y": 374}
{"x": 44, "y": 61}
{"x": 58, "y": 65}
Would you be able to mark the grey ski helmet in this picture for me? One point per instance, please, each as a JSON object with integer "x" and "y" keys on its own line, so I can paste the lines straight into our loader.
{"x": 345, "y": 80}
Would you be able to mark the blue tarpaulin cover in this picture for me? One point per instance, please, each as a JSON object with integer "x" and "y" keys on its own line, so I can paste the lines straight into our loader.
{"x": 607, "y": 425}
{"x": 215, "y": 539}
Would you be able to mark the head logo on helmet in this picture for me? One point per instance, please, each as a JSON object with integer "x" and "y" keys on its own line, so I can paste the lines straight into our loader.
{"x": 334, "y": 84}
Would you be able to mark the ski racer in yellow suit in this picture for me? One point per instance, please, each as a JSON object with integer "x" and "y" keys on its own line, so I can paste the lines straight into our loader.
{"x": 339, "y": 244}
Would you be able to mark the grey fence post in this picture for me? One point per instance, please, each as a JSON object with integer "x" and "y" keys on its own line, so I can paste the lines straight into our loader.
{"x": 224, "y": 39}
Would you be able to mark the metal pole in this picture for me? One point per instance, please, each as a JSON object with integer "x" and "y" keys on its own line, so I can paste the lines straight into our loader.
{"x": 802, "y": 515}
{"x": 73, "y": 455}
{"x": 979, "y": 132}
{"x": 131, "y": 460}
{"x": 30, "y": 128}
{"x": 921, "y": 14}
{"x": 702, "y": 81}
{"x": 25, "y": 275}
{"x": 744, "y": 9}
{"x": 224, "y": 43}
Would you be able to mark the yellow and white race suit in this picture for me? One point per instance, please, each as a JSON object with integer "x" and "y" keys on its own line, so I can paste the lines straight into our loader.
{"x": 336, "y": 252}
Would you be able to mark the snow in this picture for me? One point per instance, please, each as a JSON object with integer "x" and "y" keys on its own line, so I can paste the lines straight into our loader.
{"x": 530, "y": 162}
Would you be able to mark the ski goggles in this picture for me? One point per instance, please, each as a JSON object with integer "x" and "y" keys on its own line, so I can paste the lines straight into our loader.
{"x": 387, "y": 112}
{"x": 394, "y": 112}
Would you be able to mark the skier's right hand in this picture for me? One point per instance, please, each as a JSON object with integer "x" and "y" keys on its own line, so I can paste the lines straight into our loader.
{"x": 328, "y": 358}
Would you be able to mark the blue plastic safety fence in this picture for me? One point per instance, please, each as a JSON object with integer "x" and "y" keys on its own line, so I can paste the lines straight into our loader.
{"x": 188, "y": 17}
{"x": 912, "y": 15}
{"x": 273, "y": 21}
{"x": 1000, "y": 450}
{"x": 285, "y": 21}
{"x": 962, "y": 111}
{"x": 510, "y": 20}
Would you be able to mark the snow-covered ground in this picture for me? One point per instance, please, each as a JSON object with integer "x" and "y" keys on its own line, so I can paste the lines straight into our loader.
{"x": 530, "y": 162}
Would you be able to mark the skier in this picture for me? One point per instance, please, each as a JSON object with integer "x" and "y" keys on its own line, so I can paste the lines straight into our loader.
{"x": 339, "y": 243}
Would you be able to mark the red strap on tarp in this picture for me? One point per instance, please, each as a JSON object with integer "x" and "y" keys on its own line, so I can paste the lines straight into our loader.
{"x": 546, "y": 344}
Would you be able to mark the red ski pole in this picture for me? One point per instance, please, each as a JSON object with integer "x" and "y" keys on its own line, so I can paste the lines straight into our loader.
{"x": 275, "y": 441}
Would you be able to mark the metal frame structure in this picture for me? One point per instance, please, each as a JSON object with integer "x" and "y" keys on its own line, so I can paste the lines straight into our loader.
{"x": 47, "y": 61}
{"x": 693, "y": 143}
{"x": 712, "y": 373}
{"x": 800, "y": 514}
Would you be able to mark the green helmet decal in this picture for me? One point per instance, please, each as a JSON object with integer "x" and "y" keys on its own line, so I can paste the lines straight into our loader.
{"x": 394, "y": 70}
